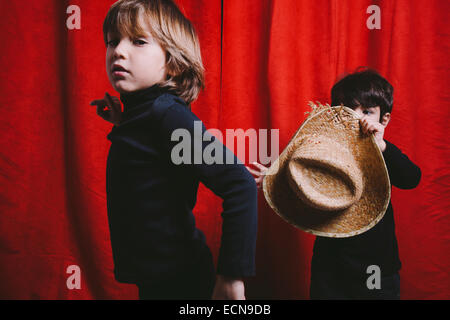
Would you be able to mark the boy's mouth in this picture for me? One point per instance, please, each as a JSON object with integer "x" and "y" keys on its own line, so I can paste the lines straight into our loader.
{"x": 118, "y": 68}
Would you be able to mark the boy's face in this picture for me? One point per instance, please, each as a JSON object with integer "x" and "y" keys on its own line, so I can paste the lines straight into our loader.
{"x": 134, "y": 63}
{"x": 372, "y": 114}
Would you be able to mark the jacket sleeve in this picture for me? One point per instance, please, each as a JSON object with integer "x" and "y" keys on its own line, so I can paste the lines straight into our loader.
{"x": 403, "y": 173}
{"x": 209, "y": 161}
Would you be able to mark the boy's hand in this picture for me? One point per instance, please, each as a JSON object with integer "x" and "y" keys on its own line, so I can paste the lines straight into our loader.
{"x": 228, "y": 289}
{"x": 259, "y": 173}
{"x": 375, "y": 127}
{"x": 109, "y": 108}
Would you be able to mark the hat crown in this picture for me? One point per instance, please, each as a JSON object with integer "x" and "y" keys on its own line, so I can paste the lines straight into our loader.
{"x": 324, "y": 174}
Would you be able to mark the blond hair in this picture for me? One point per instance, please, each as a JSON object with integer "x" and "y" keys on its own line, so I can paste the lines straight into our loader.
{"x": 173, "y": 31}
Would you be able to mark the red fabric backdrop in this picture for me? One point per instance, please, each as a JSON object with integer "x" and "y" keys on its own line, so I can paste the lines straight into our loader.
{"x": 264, "y": 61}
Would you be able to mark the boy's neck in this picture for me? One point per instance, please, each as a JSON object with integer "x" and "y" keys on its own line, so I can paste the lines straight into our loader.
{"x": 136, "y": 98}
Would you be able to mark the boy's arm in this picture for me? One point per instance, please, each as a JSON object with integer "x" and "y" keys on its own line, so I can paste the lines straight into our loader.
{"x": 232, "y": 182}
{"x": 403, "y": 173}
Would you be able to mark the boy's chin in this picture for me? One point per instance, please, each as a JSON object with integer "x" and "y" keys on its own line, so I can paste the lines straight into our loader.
{"x": 123, "y": 87}
{"x": 123, "y": 90}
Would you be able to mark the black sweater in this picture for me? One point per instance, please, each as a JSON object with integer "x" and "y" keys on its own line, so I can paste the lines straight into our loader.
{"x": 150, "y": 199}
{"x": 377, "y": 246}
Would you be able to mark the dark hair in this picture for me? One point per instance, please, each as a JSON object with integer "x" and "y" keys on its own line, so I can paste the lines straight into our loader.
{"x": 366, "y": 88}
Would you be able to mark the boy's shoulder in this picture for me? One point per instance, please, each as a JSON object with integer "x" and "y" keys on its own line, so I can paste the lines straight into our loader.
{"x": 390, "y": 147}
{"x": 168, "y": 101}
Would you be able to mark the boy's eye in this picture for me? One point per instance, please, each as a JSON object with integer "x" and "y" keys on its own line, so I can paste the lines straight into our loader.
{"x": 139, "y": 42}
{"x": 111, "y": 43}
{"x": 367, "y": 111}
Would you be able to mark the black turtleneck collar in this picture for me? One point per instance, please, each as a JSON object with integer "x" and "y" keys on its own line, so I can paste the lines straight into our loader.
{"x": 136, "y": 98}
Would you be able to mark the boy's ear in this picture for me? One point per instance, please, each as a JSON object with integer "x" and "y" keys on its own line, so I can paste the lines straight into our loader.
{"x": 385, "y": 119}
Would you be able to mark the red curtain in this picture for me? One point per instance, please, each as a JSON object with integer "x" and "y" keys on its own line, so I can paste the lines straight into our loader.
{"x": 264, "y": 61}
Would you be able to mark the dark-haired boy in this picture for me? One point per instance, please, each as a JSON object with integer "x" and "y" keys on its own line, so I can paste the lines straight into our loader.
{"x": 346, "y": 268}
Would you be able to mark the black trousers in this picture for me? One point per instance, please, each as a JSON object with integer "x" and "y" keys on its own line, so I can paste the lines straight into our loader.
{"x": 329, "y": 285}
{"x": 194, "y": 283}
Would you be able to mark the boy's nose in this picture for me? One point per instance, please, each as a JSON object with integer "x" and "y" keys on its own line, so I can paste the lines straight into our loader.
{"x": 120, "y": 50}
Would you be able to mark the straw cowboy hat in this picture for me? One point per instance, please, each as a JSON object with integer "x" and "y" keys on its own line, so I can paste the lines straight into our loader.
{"x": 331, "y": 179}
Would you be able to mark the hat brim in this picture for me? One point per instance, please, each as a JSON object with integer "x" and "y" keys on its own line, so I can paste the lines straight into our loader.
{"x": 341, "y": 124}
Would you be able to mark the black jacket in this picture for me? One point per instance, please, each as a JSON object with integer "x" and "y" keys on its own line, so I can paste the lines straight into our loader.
{"x": 377, "y": 246}
{"x": 150, "y": 199}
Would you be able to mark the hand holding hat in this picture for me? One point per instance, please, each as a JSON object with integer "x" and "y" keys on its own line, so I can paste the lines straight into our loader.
{"x": 331, "y": 179}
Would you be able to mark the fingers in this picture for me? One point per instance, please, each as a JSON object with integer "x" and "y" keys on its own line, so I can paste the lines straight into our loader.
{"x": 259, "y": 171}
{"x": 109, "y": 108}
{"x": 114, "y": 103}
{"x": 370, "y": 126}
{"x": 364, "y": 124}
{"x": 103, "y": 110}
{"x": 259, "y": 166}
{"x": 259, "y": 174}
{"x": 253, "y": 171}
{"x": 259, "y": 182}
{"x": 97, "y": 102}
{"x": 107, "y": 103}
{"x": 262, "y": 169}
{"x": 108, "y": 99}
{"x": 101, "y": 104}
